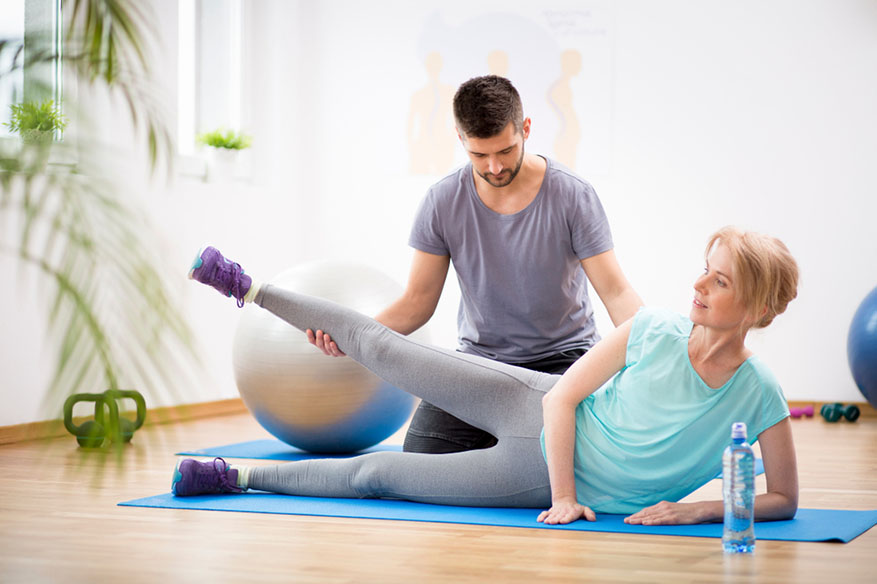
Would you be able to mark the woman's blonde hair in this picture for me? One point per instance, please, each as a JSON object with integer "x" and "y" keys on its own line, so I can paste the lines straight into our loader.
{"x": 766, "y": 273}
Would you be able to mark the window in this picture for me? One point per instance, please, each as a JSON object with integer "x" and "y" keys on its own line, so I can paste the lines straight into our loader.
{"x": 11, "y": 81}
{"x": 35, "y": 26}
{"x": 209, "y": 69}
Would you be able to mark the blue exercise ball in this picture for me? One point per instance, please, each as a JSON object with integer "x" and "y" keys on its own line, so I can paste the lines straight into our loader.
{"x": 862, "y": 347}
{"x": 321, "y": 404}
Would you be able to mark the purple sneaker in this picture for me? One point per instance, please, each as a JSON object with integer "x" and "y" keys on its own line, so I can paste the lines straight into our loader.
{"x": 201, "y": 478}
{"x": 214, "y": 270}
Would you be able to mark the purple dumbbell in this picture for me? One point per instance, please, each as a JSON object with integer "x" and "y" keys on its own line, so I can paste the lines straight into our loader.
{"x": 806, "y": 411}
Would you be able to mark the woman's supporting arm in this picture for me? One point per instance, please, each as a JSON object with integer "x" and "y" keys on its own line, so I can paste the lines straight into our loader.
{"x": 781, "y": 471}
{"x": 588, "y": 374}
{"x": 779, "y": 502}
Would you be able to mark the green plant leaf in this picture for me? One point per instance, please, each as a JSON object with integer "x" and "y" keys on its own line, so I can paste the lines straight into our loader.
{"x": 44, "y": 116}
{"x": 228, "y": 139}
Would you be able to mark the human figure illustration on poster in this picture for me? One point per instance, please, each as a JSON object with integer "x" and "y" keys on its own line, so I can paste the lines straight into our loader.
{"x": 562, "y": 71}
{"x": 498, "y": 63}
{"x": 430, "y": 129}
{"x": 560, "y": 98}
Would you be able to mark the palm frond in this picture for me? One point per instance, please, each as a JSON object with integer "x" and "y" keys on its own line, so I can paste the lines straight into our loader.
{"x": 115, "y": 322}
{"x": 112, "y": 320}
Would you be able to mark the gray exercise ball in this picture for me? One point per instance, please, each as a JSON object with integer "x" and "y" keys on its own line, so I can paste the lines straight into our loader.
{"x": 308, "y": 400}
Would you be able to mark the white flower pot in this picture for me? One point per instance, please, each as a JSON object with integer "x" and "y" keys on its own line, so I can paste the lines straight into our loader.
{"x": 222, "y": 164}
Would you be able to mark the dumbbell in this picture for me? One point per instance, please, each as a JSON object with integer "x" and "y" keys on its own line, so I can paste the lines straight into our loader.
{"x": 806, "y": 411}
{"x": 107, "y": 423}
{"x": 834, "y": 412}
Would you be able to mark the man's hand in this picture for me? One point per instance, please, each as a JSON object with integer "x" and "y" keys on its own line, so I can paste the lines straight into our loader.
{"x": 324, "y": 342}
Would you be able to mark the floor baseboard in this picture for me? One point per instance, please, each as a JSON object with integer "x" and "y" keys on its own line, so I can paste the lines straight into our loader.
{"x": 171, "y": 414}
{"x": 163, "y": 415}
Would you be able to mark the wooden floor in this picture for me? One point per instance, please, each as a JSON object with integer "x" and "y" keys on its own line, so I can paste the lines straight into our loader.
{"x": 59, "y": 522}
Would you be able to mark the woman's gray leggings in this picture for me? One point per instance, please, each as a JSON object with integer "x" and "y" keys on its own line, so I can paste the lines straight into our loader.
{"x": 501, "y": 399}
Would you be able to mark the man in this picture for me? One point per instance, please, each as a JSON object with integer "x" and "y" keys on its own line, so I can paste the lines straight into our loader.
{"x": 523, "y": 234}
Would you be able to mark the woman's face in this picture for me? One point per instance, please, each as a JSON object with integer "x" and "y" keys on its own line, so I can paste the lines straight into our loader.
{"x": 716, "y": 303}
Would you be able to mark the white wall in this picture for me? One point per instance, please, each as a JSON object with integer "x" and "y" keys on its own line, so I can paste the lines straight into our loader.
{"x": 695, "y": 114}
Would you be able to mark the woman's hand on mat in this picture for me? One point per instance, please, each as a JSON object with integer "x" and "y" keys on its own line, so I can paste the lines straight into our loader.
{"x": 324, "y": 342}
{"x": 566, "y": 511}
{"x": 667, "y": 513}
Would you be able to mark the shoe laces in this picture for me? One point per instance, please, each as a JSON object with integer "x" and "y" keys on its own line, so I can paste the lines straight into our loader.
{"x": 221, "y": 468}
{"x": 232, "y": 273}
{"x": 238, "y": 272}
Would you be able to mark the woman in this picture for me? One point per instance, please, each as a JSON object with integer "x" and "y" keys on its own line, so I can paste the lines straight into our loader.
{"x": 636, "y": 424}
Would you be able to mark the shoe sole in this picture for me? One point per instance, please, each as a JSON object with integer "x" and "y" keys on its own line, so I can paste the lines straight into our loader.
{"x": 196, "y": 263}
{"x": 178, "y": 476}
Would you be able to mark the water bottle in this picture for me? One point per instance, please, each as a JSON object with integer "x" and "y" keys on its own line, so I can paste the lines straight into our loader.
{"x": 738, "y": 491}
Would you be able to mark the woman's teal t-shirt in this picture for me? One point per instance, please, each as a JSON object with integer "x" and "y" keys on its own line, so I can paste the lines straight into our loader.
{"x": 656, "y": 431}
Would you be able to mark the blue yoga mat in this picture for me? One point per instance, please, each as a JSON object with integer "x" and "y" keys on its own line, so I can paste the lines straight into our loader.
{"x": 270, "y": 449}
{"x": 808, "y": 525}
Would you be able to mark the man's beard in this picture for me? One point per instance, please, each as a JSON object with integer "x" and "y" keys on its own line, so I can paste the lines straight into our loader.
{"x": 502, "y": 179}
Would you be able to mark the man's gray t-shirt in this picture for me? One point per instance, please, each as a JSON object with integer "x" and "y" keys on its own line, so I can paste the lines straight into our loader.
{"x": 524, "y": 292}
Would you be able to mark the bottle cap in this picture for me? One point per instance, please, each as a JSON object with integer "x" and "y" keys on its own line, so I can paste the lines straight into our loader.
{"x": 738, "y": 430}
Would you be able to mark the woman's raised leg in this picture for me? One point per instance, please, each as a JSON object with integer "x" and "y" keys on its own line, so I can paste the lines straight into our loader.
{"x": 499, "y": 398}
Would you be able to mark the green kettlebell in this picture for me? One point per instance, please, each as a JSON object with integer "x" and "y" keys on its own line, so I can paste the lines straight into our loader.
{"x": 126, "y": 427}
{"x": 89, "y": 434}
{"x": 107, "y": 423}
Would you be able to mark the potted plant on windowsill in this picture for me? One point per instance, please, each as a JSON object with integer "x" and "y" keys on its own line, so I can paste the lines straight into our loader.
{"x": 224, "y": 147}
{"x": 36, "y": 123}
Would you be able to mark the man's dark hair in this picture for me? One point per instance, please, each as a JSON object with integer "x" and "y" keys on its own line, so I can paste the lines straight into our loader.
{"x": 484, "y": 106}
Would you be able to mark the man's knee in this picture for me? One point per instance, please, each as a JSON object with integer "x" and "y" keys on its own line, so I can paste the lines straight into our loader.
{"x": 434, "y": 431}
